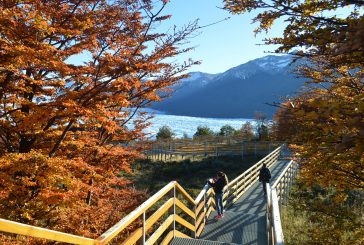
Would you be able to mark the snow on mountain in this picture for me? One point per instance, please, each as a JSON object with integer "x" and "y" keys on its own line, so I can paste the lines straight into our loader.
{"x": 198, "y": 79}
{"x": 270, "y": 64}
{"x": 236, "y": 93}
{"x": 274, "y": 63}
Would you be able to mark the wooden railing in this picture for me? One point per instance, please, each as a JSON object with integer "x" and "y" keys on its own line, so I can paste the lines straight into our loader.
{"x": 233, "y": 191}
{"x": 172, "y": 150}
{"x": 27, "y": 230}
{"x": 169, "y": 213}
{"x": 276, "y": 195}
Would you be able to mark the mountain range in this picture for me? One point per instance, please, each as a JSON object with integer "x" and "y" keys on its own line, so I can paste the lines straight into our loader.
{"x": 239, "y": 92}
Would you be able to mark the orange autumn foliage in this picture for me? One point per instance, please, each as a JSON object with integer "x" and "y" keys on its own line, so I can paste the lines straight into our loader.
{"x": 326, "y": 122}
{"x": 67, "y": 128}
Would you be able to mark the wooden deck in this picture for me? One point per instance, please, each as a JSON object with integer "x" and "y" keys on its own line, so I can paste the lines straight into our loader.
{"x": 243, "y": 223}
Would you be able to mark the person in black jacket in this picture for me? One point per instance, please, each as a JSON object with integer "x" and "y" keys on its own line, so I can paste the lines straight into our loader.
{"x": 218, "y": 184}
{"x": 264, "y": 177}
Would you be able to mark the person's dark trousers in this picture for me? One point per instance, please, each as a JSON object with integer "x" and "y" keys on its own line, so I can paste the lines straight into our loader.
{"x": 264, "y": 187}
{"x": 219, "y": 203}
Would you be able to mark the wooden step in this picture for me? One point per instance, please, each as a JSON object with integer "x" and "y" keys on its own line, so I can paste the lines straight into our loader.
{"x": 189, "y": 241}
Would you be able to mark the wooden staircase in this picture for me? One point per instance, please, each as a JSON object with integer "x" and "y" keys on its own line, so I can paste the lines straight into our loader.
{"x": 169, "y": 213}
{"x": 190, "y": 241}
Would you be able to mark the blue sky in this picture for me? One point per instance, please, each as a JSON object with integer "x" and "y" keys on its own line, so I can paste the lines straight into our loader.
{"x": 223, "y": 45}
{"x": 220, "y": 46}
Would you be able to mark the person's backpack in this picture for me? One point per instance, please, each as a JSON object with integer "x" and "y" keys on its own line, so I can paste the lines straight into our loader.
{"x": 265, "y": 175}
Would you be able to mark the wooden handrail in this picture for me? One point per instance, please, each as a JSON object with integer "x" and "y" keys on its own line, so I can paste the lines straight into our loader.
{"x": 276, "y": 219}
{"x": 127, "y": 220}
{"x": 273, "y": 213}
{"x": 282, "y": 174}
{"x": 202, "y": 193}
{"x": 28, "y": 230}
{"x": 135, "y": 236}
{"x": 255, "y": 166}
{"x": 202, "y": 208}
{"x": 167, "y": 150}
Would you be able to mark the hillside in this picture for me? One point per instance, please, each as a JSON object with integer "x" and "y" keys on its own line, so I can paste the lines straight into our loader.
{"x": 237, "y": 93}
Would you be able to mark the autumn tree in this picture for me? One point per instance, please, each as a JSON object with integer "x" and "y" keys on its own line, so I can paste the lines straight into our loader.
{"x": 261, "y": 125}
{"x": 246, "y": 131}
{"x": 227, "y": 131}
{"x": 326, "y": 122}
{"x": 285, "y": 124}
{"x": 331, "y": 111}
{"x": 332, "y": 28}
{"x": 165, "y": 133}
{"x": 203, "y": 131}
{"x": 64, "y": 124}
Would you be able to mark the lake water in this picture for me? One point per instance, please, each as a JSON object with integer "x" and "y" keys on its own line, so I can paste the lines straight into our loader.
{"x": 188, "y": 125}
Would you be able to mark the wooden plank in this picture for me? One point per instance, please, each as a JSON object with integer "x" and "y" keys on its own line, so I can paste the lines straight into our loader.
{"x": 200, "y": 219}
{"x": 233, "y": 182}
{"x": 247, "y": 171}
{"x": 185, "y": 223}
{"x": 277, "y": 225}
{"x": 210, "y": 202}
{"x": 227, "y": 194}
{"x": 159, "y": 213}
{"x": 202, "y": 193}
{"x": 180, "y": 234}
{"x": 185, "y": 194}
{"x": 209, "y": 212}
{"x": 282, "y": 174}
{"x": 137, "y": 234}
{"x": 127, "y": 220}
{"x": 185, "y": 209}
{"x": 242, "y": 187}
{"x": 199, "y": 231}
{"x": 33, "y": 231}
{"x": 162, "y": 228}
{"x": 168, "y": 238}
{"x": 198, "y": 208}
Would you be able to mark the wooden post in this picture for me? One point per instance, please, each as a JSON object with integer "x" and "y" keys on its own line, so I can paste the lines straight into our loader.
{"x": 144, "y": 230}
{"x": 193, "y": 153}
{"x": 242, "y": 150}
{"x": 174, "y": 211}
{"x": 165, "y": 153}
{"x": 217, "y": 154}
{"x": 269, "y": 214}
{"x": 205, "y": 149}
{"x": 170, "y": 151}
{"x": 204, "y": 208}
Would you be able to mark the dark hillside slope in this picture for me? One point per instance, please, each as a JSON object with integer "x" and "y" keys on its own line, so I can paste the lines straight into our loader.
{"x": 234, "y": 97}
{"x": 237, "y": 93}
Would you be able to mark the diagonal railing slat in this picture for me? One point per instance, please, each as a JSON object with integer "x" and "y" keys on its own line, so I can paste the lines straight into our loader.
{"x": 163, "y": 227}
{"x": 137, "y": 234}
{"x": 127, "y": 220}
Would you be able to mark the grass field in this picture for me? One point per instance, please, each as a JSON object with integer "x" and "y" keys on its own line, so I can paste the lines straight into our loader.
{"x": 192, "y": 175}
{"x": 312, "y": 216}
